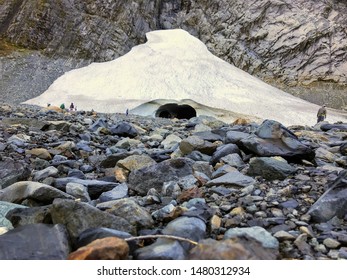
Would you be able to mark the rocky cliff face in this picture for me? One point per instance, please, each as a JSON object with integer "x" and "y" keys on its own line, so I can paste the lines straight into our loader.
{"x": 297, "y": 45}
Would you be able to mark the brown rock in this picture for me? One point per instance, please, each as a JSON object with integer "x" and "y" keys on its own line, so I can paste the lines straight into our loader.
{"x": 241, "y": 121}
{"x": 189, "y": 194}
{"x": 40, "y": 153}
{"x": 134, "y": 162}
{"x": 232, "y": 249}
{"x": 109, "y": 248}
{"x": 121, "y": 174}
{"x": 215, "y": 222}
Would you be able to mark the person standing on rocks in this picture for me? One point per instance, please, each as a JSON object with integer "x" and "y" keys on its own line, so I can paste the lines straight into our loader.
{"x": 322, "y": 114}
{"x": 72, "y": 106}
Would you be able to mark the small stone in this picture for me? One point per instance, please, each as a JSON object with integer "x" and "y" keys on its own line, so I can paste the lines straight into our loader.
{"x": 283, "y": 235}
{"x": 305, "y": 218}
{"x": 277, "y": 212}
{"x": 343, "y": 253}
{"x": 3, "y": 230}
{"x": 306, "y": 230}
{"x": 215, "y": 222}
{"x": 331, "y": 243}
{"x": 238, "y": 211}
{"x": 257, "y": 233}
{"x": 121, "y": 174}
{"x": 40, "y": 153}
{"x": 321, "y": 248}
{"x": 78, "y": 191}
{"x": 334, "y": 254}
{"x": 50, "y": 171}
{"x": 186, "y": 195}
{"x": 303, "y": 246}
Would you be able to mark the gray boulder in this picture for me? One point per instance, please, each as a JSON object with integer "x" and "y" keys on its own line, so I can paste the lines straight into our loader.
{"x": 41, "y": 193}
{"x": 333, "y": 202}
{"x": 123, "y": 129}
{"x": 195, "y": 143}
{"x": 50, "y": 171}
{"x": 162, "y": 249}
{"x": 270, "y": 168}
{"x": 80, "y": 216}
{"x": 35, "y": 242}
{"x": 121, "y": 191}
{"x": 273, "y": 139}
{"x": 142, "y": 180}
{"x": 12, "y": 172}
{"x": 343, "y": 149}
{"x": 99, "y": 123}
{"x": 132, "y": 212}
{"x": 32, "y": 215}
{"x": 336, "y": 126}
{"x": 223, "y": 151}
{"x": 95, "y": 187}
{"x": 235, "y": 136}
{"x": 257, "y": 233}
{"x": 6, "y": 207}
{"x": 78, "y": 191}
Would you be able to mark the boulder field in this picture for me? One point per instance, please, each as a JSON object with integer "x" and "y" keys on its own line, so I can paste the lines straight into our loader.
{"x": 88, "y": 185}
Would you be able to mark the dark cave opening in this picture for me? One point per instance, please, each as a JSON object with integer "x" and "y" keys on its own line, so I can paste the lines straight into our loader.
{"x": 173, "y": 110}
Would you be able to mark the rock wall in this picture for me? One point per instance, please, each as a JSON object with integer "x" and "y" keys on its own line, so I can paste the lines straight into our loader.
{"x": 297, "y": 45}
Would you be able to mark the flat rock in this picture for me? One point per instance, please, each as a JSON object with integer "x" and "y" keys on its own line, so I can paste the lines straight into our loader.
{"x": 129, "y": 210}
{"x": 258, "y": 233}
{"x": 79, "y": 216}
{"x": 273, "y": 139}
{"x": 42, "y": 193}
{"x": 6, "y": 207}
{"x": 95, "y": 187}
{"x": 240, "y": 248}
{"x": 142, "y": 180}
{"x": 231, "y": 179}
{"x": 12, "y": 172}
{"x": 41, "y": 242}
{"x": 31, "y": 215}
{"x": 333, "y": 202}
{"x": 271, "y": 168}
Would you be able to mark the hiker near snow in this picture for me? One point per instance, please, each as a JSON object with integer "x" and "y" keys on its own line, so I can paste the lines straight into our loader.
{"x": 322, "y": 113}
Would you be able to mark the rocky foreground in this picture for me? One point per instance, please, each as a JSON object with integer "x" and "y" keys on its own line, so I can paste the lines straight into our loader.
{"x": 84, "y": 185}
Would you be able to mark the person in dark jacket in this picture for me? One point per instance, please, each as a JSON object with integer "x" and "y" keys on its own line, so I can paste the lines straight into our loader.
{"x": 322, "y": 114}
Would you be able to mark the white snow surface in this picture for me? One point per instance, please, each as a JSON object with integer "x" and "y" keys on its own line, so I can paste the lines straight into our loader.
{"x": 173, "y": 66}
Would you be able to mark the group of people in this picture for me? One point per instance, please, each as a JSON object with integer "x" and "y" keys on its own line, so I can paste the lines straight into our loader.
{"x": 71, "y": 108}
